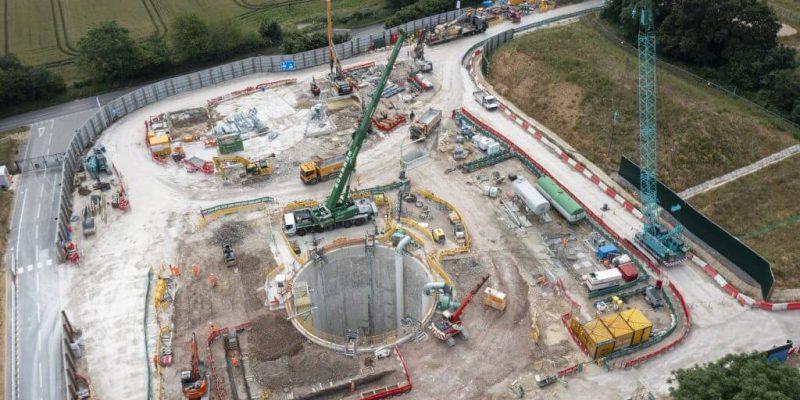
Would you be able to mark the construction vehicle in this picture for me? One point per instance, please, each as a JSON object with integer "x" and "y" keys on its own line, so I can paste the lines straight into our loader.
{"x": 338, "y": 80}
{"x": 542, "y": 381}
{"x": 449, "y": 325}
{"x": 664, "y": 244}
{"x": 238, "y": 168}
{"x": 340, "y": 209}
{"x": 194, "y": 382}
{"x": 315, "y": 91}
{"x": 423, "y": 127}
{"x": 420, "y": 62}
{"x": 88, "y": 225}
{"x": 485, "y": 100}
{"x": 458, "y": 231}
{"x": 438, "y": 235}
{"x": 467, "y": 24}
{"x": 318, "y": 169}
{"x": 227, "y": 253}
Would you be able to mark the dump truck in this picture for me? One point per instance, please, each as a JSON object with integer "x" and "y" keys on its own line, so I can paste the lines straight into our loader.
{"x": 485, "y": 100}
{"x": 424, "y": 126}
{"x": 318, "y": 169}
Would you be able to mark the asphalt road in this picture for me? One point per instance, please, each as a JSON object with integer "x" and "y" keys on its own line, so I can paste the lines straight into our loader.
{"x": 37, "y": 279}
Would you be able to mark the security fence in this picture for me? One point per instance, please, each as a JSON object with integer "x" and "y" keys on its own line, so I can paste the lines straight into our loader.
{"x": 706, "y": 230}
{"x": 87, "y": 134}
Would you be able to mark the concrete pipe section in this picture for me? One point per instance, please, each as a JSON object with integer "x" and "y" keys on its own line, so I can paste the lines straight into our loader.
{"x": 354, "y": 294}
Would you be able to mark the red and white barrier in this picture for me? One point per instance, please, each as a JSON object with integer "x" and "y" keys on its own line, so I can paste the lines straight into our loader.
{"x": 554, "y": 148}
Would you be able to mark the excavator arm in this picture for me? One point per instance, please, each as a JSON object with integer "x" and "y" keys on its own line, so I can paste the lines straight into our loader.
{"x": 340, "y": 191}
{"x": 336, "y": 66}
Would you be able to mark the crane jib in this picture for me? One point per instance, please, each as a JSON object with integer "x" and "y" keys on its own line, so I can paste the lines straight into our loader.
{"x": 338, "y": 194}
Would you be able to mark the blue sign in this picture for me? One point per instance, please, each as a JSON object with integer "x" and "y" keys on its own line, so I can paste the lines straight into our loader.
{"x": 287, "y": 65}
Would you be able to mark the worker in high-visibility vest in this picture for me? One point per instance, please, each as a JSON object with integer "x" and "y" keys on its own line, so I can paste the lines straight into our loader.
{"x": 212, "y": 280}
{"x": 196, "y": 271}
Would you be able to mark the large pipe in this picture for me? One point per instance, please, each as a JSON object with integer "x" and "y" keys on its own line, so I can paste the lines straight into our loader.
{"x": 398, "y": 279}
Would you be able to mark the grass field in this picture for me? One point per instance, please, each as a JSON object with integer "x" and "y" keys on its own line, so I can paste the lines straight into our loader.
{"x": 763, "y": 211}
{"x": 47, "y": 31}
{"x": 575, "y": 79}
{"x": 572, "y": 79}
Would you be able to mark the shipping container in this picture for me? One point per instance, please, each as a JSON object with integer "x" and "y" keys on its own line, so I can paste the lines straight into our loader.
{"x": 597, "y": 339}
{"x": 642, "y": 327}
{"x": 620, "y": 330}
{"x": 628, "y": 271}
{"x": 603, "y": 252}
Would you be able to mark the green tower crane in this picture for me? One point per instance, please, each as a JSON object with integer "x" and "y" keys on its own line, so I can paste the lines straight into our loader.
{"x": 340, "y": 209}
{"x": 665, "y": 245}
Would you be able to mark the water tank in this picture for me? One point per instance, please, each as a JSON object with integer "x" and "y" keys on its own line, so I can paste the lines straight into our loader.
{"x": 535, "y": 202}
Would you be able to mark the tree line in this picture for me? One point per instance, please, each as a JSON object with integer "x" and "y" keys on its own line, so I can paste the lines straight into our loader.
{"x": 729, "y": 41}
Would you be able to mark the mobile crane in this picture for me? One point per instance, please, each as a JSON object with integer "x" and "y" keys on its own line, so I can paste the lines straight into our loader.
{"x": 449, "y": 325}
{"x": 419, "y": 53}
{"x": 194, "y": 383}
{"x": 340, "y": 209}
{"x": 338, "y": 80}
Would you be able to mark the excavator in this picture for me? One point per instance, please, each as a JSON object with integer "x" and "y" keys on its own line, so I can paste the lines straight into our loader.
{"x": 449, "y": 325}
{"x": 340, "y": 84}
{"x": 420, "y": 62}
{"x": 238, "y": 167}
{"x": 194, "y": 382}
{"x": 340, "y": 209}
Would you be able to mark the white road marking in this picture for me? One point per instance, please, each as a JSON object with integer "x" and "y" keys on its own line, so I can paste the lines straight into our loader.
{"x": 49, "y": 262}
{"x": 38, "y": 312}
{"x": 30, "y": 267}
{"x": 41, "y": 377}
{"x": 39, "y": 265}
{"x": 20, "y": 270}
{"x": 36, "y": 233}
{"x": 37, "y": 290}
{"x": 41, "y": 131}
{"x": 21, "y": 218}
{"x": 39, "y": 209}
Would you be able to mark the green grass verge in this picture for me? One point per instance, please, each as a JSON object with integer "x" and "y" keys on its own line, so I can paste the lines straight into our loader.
{"x": 762, "y": 209}
{"x": 572, "y": 79}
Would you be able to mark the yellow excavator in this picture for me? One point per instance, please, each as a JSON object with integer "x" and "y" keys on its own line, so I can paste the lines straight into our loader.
{"x": 242, "y": 169}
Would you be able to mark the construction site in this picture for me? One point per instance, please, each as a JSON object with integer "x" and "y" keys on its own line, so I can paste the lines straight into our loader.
{"x": 384, "y": 226}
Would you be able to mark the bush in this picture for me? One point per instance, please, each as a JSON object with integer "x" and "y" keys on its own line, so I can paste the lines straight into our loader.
{"x": 271, "y": 33}
{"x": 296, "y": 42}
{"x": 419, "y": 10}
{"x": 23, "y": 83}
{"x": 108, "y": 50}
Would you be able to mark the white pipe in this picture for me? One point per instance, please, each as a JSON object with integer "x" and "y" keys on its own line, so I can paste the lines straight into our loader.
{"x": 398, "y": 279}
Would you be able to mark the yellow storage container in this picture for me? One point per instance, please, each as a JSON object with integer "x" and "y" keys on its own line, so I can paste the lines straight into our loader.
{"x": 642, "y": 327}
{"x": 597, "y": 338}
{"x": 620, "y": 330}
{"x": 159, "y": 140}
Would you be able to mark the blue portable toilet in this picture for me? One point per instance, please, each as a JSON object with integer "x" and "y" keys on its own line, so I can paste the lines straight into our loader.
{"x": 486, "y": 3}
{"x": 605, "y": 250}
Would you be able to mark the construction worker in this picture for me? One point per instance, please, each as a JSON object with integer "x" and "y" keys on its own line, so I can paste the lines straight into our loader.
{"x": 212, "y": 280}
{"x": 195, "y": 272}
{"x": 175, "y": 270}
{"x": 411, "y": 116}
{"x": 234, "y": 361}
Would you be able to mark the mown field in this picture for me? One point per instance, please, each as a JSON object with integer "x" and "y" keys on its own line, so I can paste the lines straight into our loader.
{"x": 762, "y": 209}
{"x": 573, "y": 79}
{"x": 47, "y": 31}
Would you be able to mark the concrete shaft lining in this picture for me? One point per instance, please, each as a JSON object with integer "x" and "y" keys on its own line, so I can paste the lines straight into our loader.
{"x": 347, "y": 295}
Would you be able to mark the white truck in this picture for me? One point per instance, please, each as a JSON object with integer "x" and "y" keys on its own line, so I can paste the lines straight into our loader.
{"x": 484, "y": 99}
{"x": 602, "y": 279}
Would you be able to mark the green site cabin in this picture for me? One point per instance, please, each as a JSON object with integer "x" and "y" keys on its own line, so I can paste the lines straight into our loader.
{"x": 560, "y": 200}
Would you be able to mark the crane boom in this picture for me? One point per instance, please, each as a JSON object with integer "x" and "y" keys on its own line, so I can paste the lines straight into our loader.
{"x": 339, "y": 193}
{"x": 464, "y": 303}
{"x": 336, "y": 66}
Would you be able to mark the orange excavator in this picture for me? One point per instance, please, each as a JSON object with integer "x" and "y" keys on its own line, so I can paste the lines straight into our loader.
{"x": 194, "y": 382}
